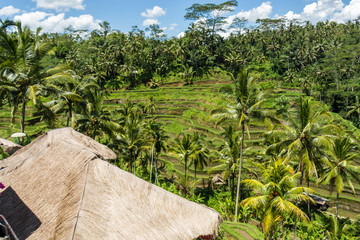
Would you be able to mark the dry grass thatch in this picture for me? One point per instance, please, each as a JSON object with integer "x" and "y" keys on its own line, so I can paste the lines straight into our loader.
{"x": 9, "y": 146}
{"x": 218, "y": 180}
{"x": 60, "y": 187}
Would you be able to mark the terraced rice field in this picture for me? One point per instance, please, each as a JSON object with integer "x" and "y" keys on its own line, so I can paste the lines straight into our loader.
{"x": 187, "y": 109}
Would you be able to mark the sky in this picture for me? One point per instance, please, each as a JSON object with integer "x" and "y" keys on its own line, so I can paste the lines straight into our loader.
{"x": 56, "y": 15}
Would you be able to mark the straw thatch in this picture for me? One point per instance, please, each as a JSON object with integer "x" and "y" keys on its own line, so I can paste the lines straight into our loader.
{"x": 9, "y": 146}
{"x": 60, "y": 187}
{"x": 218, "y": 180}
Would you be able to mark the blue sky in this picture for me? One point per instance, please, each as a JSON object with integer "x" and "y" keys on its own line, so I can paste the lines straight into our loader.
{"x": 56, "y": 15}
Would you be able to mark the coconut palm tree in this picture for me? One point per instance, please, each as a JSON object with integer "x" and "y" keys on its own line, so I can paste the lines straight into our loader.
{"x": 158, "y": 144}
{"x": 340, "y": 168}
{"x": 304, "y": 132}
{"x": 131, "y": 139}
{"x": 20, "y": 65}
{"x": 228, "y": 157}
{"x": 185, "y": 147}
{"x": 201, "y": 153}
{"x": 69, "y": 89}
{"x": 247, "y": 103}
{"x": 274, "y": 199}
{"x": 95, "y": 120}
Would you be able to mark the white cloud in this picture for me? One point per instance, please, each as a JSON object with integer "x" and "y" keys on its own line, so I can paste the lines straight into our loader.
{"x": 322, "y": 10}
{"x": 349, "y": 12}
{"x": 291, "y": 15}
{"x": 57, "y": 23}
{"x": 60, "y": 4}
{"x": 8, "y": 11}
{"x": 180, "y": 35}
{"x": 150, "y": 21}
{"x": 155, "y": 12}
{"x": 262, "y": 11}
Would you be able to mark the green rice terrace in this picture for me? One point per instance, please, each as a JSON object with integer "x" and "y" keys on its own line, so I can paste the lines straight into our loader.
{"x": 187, "y": 109}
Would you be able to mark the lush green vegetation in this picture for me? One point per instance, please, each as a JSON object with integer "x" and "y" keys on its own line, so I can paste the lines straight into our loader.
{"x": 273, "y": 109}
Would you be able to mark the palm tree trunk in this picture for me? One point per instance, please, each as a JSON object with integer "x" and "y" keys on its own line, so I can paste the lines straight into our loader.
{"x": 185, "y": 162}
{"x": 337, "y": 204}
{"x": 195, "y": 171}
{"x": 301, "y": 169}
{"x": 299, "y": 184}
{"x": 12, "y": 114}
{"x": 156, "y": 171}
{"x": 152, "y": 161}
{"x": 23, "y": 115}
{"x": 239, "y": 177}
{"x": 134, "y": 165}
{"x": 69, "y": 115}
{"x": 308, "y": 204}
{"x": 130, "y": 162}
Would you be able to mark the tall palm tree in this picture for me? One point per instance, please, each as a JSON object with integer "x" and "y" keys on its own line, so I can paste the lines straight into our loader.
{"x": 304, "y": 132}
{"x": 69, "y": 89}
{"x": 228, "y": 157}
{"x": 158, "y": 144}
{"x": 185, "y": 147}
{"x": 340, "y": 167}
{"x": 201, "y": 153}
{"x": 95, "y": 120}
{"x": 274, "y": 199}
{"x": 131, "y": 139}
{"x": 20, "y": 64}
{"x": 248, "y": 100}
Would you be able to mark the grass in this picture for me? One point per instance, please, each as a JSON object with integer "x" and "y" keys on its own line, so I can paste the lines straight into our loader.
{"x": 237, "y": 231}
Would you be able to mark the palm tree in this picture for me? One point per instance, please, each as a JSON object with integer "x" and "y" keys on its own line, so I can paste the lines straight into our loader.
{"x": 340, "y": 167}
{"x": 228, "y": 157}
{"x": 20, "y": 59}
{"x": 69, "y": 90}
{"x": 131, "y": 139}
{"x": 95, "y": 120}
{"x": 185, "y": 147}
{"x": 306, "y": 130}
{"x": 158, "y": 144}
{"x": 151, "y": 105}
{"x": 274, "y": 199}
{"x": 201, "y": 153}
{"x": 247, "y": 103}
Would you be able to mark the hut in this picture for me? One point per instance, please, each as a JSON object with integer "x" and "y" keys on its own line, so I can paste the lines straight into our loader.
{"x": 9, "y": 146}
{"x": 217, "y": 180}
{"x": 61, "y": 187}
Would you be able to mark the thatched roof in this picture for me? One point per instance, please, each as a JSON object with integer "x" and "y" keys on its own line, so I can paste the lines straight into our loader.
{"x": 60, "y": 187}
{"x": 9, "y": 146}
{"x": 218, "y": 180}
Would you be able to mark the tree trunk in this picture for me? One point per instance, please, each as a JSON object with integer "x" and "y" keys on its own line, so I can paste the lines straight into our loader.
{"x": 156, "y": 171}
{"x": 12, "y": 114}
{"x": 337, "y": 204}
{"x": 69, "y": 115}
{"x": 308, "y": 203}
{"x": 195, "y": 171}
{"x": 301, "y": 169}
{"x": 152, "y": 161}
{"x": 239, "y": 177}
{"x": 23, "y": 115}
{"x": 134, "y": 165}
{"x": 185, "y": 162}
